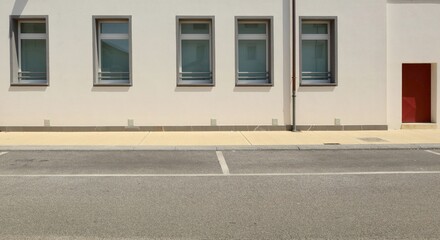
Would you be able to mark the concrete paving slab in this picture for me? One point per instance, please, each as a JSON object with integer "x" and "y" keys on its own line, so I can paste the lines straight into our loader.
{"x": 195, "y": 139}
{"x": 344, "y": 137}
{"x": 71, "y": 138}
{"x": 301, "y": 138}
{"x": 410, "y": 136}
{"x": 219, "y": 140}
{"x": 280, "y": 138}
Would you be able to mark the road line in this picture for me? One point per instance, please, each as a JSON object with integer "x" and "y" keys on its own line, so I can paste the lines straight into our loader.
{"x": 436, "y": 153}
{"x": 222, "y": 161}
{"x": 229, "y": 175}
{"x": 3, "y": 153}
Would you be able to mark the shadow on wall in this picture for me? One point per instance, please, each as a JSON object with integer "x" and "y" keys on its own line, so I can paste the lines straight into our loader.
{"x": 252, "y": 89}
{"x": 110, "y": 89}
{"x": 19, "y": 6}
{"x": 316, "y": 89}
{"x": 193, "y": 89}
{"x": 27, "y": 89}
{"x": 287, "y": 85}
{"x": 415, "y": 1}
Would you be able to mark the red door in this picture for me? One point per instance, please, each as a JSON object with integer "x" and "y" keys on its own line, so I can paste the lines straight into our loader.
{"x": 416, "y": 101}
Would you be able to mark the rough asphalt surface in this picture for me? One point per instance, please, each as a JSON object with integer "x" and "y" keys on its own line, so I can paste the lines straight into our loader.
{"x": 184, "y": 195}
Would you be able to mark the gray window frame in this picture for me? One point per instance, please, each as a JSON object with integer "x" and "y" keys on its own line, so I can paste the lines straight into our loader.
{"x": 15, "y": 58}
{"x": 96, "y": 50}
{"x": 194, "y": 83}
{"x": 333, "y": 50}
{"x": 269, "y": 21}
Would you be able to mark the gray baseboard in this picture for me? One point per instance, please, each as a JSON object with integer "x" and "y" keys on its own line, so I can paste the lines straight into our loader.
{"x": 145, "y": 129}
{"x": 342, "y": 128}
{"x": 193, "y": 128}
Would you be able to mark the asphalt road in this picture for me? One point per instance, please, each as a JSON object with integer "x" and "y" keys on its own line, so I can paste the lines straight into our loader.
{"x": 190, "y": 195}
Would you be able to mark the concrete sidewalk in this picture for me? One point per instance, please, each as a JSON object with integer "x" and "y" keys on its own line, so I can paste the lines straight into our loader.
{"x": 220, "y": 140}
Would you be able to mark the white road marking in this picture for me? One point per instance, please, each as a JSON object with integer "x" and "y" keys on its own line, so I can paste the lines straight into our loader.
{"x": 3, "y": 153}
{"x": 223, "y": 164}
{"x": 436, "y": 153}
{"x": 229, "y": 175}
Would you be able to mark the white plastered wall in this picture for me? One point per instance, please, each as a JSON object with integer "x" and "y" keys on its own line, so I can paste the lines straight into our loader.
{"x": 154, "y": 99}
{"x": 360, "y": 97}
{"x": 413, "y": 37}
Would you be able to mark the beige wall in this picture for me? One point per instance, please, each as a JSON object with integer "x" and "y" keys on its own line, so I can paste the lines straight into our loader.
{"x": 154, "y": 99}
{"x": 413, "y": 37}
{"x": 360, "y": 97}
{"x": 374, "y": 38}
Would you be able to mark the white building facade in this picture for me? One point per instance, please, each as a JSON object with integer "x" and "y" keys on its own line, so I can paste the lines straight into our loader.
{"x": 215, "y": 64}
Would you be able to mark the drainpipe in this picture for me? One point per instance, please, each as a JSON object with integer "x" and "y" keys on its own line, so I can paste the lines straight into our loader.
{"x": 294, "y": 66}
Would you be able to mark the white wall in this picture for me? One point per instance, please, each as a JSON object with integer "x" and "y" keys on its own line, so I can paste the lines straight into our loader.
{"x": 154, "y": 99}
{"x": 360, "y": 97}
{"x": 413, "y": 37}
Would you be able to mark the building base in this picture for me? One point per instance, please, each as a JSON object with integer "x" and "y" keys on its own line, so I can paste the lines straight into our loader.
{"x": 192, "y": 128}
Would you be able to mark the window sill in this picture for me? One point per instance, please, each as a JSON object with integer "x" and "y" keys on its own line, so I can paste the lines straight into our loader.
{"x": 112, "y": 84}
{"x": 195, "y": 84}
{"x": 254, "y": 85}
{"x": 318, "y": 85}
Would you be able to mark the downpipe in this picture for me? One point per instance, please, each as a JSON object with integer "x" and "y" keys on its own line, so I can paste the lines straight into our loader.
{"x": 294, "y": 128}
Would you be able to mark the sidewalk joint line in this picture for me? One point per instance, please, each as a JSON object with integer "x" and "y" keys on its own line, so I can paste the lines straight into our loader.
{"x": 247, "y": 140}
{"x": 144, "y": 138}
{"x": 223, "y": 164}
{"x": 435, "y": 153}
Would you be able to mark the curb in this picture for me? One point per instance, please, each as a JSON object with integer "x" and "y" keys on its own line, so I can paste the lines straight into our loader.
{"x": 222, "y": 148}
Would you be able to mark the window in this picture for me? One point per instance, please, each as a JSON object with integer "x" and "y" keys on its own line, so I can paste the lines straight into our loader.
{"x": 113, "y": 51}
{"x": 318, "y": 50}
{"x": 195, "y": 52}
{"x": 29, "y": 51}
{"x": 253, "y": 52}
